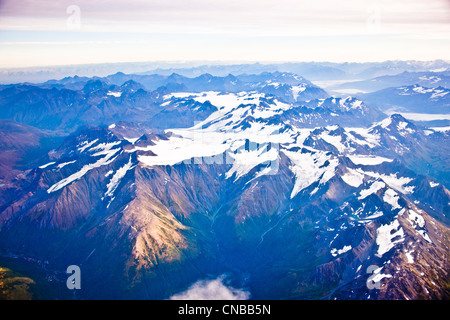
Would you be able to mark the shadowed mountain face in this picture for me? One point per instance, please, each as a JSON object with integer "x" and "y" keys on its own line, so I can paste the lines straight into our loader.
{"x": 21, "y": 146}
{"x": 290, "y": 193}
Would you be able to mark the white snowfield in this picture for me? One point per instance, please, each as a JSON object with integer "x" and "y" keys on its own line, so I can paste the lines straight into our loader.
{"x": 353, "y": 178}
{"x": 47, "y": 165}
{"x": 378, "y": 276}
{"x": 397, "y": 183}
{"x": 116, "y": 94}
{"x": 62, "y": 165}
{"x": 425, "y": 116}
{"x": 245, "y": 161}
{"x": 441, "y": 129}
{"x": 296, "y": 90}
{"x": 101, "y": 149}
{"x": 86, "y": 144}
{"x": 417, "y": 89}
{"x": 310, "y": 167}
{"x": 418, "y": 223}
{"x": 392, "y": 197}
{"x": 115, "y": 180}
{"x": 228, "y": 136}
{"x": 223, "y": 132}
{"x": 388, "y": 236}
{"x": 374, "y": 187}
{"x": 336, "y": 252}
{"x": 368, "y": 160}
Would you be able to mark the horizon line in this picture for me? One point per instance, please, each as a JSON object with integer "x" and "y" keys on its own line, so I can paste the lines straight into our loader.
{"x": 219, "y": 62}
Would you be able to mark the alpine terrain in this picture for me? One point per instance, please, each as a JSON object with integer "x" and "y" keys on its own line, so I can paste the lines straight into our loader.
{"x": 151, "y": 182}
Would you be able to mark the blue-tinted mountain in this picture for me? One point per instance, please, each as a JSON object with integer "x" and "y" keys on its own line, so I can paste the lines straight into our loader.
{"x": 414, "y": 98}
{"x": 431, "y": 79}
{"x": 121, "y": 98}
{"x": 310, "y": 70}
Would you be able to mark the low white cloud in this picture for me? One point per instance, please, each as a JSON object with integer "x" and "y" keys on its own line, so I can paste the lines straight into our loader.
{"x": 211, "y": 290}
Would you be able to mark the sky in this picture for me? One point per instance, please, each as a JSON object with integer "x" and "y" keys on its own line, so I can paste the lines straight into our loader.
{"x": 67, "y": 32}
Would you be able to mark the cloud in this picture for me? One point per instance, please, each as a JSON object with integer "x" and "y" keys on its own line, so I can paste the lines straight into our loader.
{"x": 211, "y": 290}
{"x": 253, "y": 17}
{"x": 227, "y": 30}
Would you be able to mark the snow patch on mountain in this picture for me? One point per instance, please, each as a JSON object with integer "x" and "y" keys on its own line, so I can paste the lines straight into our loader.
{"x": 336, "y": 252}
{"x": 388, "y": 236}
{"x": 395, "y": 182}
{"x": 116, "y": 94}
{"x": 377, "y": 276}
{"x": 309, "y": 167}
{"x": 245, "y": 161}
{"x": 418, "y": 223}
{"x": 131, "y": 140}
{"x": 391, "y": 197}
{"x": 336, "y": 141}
{"x": 228, "y": 101}
{"x": 46, "y": 165}
{"x": 86, "y": 168}
{"x": 62, "y": 165}
{"x": 353, "y": 178}
{"x": 115, "y": 180}
{"x": 371, "y": 139}
{"x": 179, "y": 149}
{"x": 433, "y": 184}
{"x": 296, "y": 90}
{"x": 86, "y": 144}
{"x": 104, "y": 148}
{"x": 374, "y": 187}
{"x": 368, "y": 160}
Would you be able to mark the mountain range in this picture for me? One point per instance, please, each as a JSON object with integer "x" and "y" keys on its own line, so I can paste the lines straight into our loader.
{"x": 411, "y": 98}
{"x": 151, "y": 182}
{"x": 432, "y": 79}
{"x": 311, "y": 70}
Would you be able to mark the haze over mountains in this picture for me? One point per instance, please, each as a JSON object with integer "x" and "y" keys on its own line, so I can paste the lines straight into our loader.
{"x": 251, "y": 174}
{"x": 310, "y": 70}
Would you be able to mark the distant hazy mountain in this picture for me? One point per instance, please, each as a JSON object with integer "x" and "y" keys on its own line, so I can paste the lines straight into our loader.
{"x": 73, "y": 102}
{"x": 426, "y": 79}
{"x": 310, "y": 70}
{"x": 414, "y": 98}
